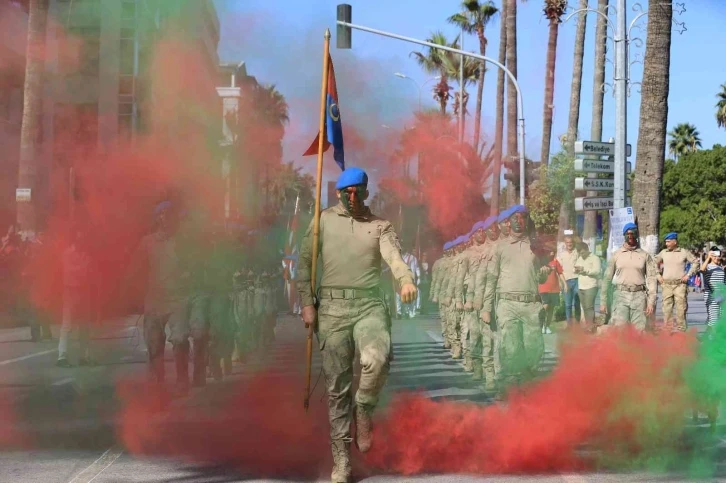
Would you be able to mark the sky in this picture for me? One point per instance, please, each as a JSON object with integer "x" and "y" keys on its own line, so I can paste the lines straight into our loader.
{"x": 281, "y": 43}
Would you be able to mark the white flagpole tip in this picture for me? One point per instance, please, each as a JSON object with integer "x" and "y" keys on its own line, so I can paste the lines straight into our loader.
{"x": 327, "y": 33}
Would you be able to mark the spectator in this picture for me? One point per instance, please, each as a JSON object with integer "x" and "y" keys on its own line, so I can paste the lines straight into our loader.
{"x": 77, "y": 306}
{"x": 567, "y": 259}
{"x": 549, "y": 292}
{"x": 589, "y": 271}
{"x": 713, "y": 284}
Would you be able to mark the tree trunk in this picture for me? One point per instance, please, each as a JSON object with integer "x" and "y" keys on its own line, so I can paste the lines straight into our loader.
{"x": 549, "y": 91}
{"x": 653, "y": 121}
{"x": 442, "y": 99}
{"x": 30, "y": 132}
{"x": 499, "y": 128}
{"x": 479, "y": 88}
{"x": 511, "y": 19}
{"x": 598, "y": 94}
{"x": 574, "y": 117}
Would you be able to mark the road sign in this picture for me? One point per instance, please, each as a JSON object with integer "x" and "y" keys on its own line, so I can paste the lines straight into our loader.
{"x": 598, "y": 184}
{"x": 22, "y": 195}
{"x": 590, "y": 204}
{"x": 619, "y": 217}
{"x": 598, "y": 148}
{"x": 594, "y": 166}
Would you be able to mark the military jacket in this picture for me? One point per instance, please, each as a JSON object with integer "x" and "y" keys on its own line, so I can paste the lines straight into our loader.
{"x": 674, "y": 263}
{"x": 632, "y": 267}
{"x": 351, "y": 250}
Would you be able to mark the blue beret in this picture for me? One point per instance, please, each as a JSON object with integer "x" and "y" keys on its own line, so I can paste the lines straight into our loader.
{"x": 517, "y": 209}
{"x": 351, "y": 177}
{"x": 489, "y": 222}
{"x": 447, "y": 245}
{"x": 629, "y": 226}
{"x": 161, "y": 207}
{"x": 671, "y": 236}
{"x": 504, "y": 215}
{"x": 479, "y": 225}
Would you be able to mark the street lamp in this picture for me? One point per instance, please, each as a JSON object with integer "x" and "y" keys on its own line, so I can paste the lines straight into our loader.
{"x": 419, "y": 87}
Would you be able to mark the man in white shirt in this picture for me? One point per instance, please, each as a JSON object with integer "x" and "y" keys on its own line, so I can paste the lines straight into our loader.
{"x": 567, "y": 258}
{"x": 589, "y": 272}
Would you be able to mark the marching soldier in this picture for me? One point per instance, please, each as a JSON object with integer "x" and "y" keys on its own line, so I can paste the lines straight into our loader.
{"x": 503, "y": 221}
{"x": 673, "y": 281}
{"x": 513, "y": 277}
{"x": 223, "y": 327}
{"x": 270, "y": 317}
{"x": 437, "y": 274}
{"x": 351, "y": 312}
{"x": 446, "y": 278}
{"x": 484, "y": 335}
{"x": 243, "y": 312}
{"x": 465, "y": 291}
{"x": 455, "y": 305}
{"x": 636, "y": 287}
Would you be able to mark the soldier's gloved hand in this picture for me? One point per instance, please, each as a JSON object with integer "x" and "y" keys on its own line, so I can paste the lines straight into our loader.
{"x": 309, "y": 315}
{"x": 660, "y": 279}
{"x": 408, "y": 293}
{"x": 476, "y": 305}
{"x": 459, "y": 305}
{"x": 603, "y": 309}
{"x": 435, "y": 299}
{"x": 486, "y": 317}
{"x": 684, "y": 279}
{"x": 468, "y": 307}
{"x": 447, "y": 301}
{"x": 650, "y": 310}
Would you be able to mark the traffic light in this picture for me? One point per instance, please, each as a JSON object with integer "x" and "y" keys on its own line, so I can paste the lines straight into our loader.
{"x": 343, "y": 37}
{"x": 532, "y": 171}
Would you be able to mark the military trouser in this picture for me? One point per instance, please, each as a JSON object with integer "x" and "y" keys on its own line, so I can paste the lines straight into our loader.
{"x": 156, "y": 318}
{"x": 442, "y": 316}
{"x": 343, "y": 326}
{"x": 521, "y": 344}
{"x": 222, "y": 328}
{"x": 629, "y": 308}
{"x": 454, "y": 327}
{"x": 675, "y": 294}
{"x": 483, "y": 342}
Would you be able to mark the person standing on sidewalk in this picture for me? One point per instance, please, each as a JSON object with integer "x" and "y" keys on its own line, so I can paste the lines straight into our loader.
{"x": 674, "y": 281}
{"x": 550, "y": 292}
{"x": 713, "y": 286}
{"x": 567, "y": 259}
{"x": 589, "y": 271}
{"x": 77, "y": 300}
{"x": 349, "y": 310}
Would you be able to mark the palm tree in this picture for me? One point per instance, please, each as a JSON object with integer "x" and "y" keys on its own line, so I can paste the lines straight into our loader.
{"x": 721, "y": 107}
{"x": 653, "y": 123}
{"x": 473, "y": 19}
{"x": 499, "y": 127}
{"x": 598, "y": 94}
{"x": 471, "y": 75}
{"x": 574, "y": 115}
{"x": 30, "y": 131}
{"x": 685, "y": 138}
{"x": 553, "y": 11}
{"x": 438, "y": 61}
{"x": 511, "y": 21}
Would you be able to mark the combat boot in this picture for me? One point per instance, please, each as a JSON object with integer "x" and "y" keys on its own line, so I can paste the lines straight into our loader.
{"x": 199, "y": 378}
{"x": 363, "y": 429}
{"x": 491, "y": 383}
{"x": 341, "y": 462}
{"x": 447, "y": 345}
{"x": 468, "y": 364}
{"x": 477, "y": 374}
{"x": 456, "y": 351}
{"x": 181, "y": 359}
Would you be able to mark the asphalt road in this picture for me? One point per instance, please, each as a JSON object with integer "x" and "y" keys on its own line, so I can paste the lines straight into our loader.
{"x": 65, "y": 426}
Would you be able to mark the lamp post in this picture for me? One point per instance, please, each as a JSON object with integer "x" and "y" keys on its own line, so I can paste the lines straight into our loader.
{"x": 418, "y": 86}
{"x": 344, "y": 41}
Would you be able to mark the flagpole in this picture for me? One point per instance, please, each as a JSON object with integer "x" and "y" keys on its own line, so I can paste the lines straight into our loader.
{"x": 316, "y": 216}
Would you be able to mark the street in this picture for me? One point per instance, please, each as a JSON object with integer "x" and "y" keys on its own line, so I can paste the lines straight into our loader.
{"x": 67, "y": 426}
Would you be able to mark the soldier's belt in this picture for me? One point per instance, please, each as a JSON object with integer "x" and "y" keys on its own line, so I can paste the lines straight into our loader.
{"x": 672, "y": 282}
{"x": 630, "y": 288}
{"x": 519, "y": 297}
{"x": 349, "y": 293}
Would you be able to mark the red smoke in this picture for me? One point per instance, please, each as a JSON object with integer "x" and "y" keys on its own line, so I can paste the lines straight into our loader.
{"x": 607, "y": 391}
{"x": 261, "y": 429}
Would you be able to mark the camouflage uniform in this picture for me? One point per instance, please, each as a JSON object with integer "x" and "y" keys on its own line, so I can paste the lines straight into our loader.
{"x": 455, "y": 309}
{"x": 513, "y": 277}
{"x": 636, "y": 286}
{"x": 243, "y": 313}
{"x": 465, "y": 288}
{"x": 352, "y": 312}
{"x": 674, "y": 289}
{"x": 437, "y": 275}
{"x": 484, "y": 342}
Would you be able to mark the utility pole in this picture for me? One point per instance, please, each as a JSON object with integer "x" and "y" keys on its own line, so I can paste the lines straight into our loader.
{"x": 621, "y": 103}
